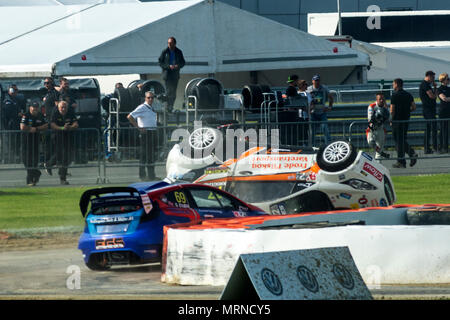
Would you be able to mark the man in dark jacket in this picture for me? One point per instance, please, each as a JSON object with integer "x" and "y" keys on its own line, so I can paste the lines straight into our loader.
{"x": 402, "y": 104}
{"x": 33, "y": 122}
{"x": 428, "y": 95}
{"x": 11, "y": 115}
{"x": 171, "y": 61}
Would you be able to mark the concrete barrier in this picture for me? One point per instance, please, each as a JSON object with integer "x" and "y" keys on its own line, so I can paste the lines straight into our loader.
{"x": 399, "y": 254}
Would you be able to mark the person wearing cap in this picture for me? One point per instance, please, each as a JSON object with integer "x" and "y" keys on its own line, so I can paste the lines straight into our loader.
{"x": 428, "y": 95}
{"x": 444, "y": 111}
{"x": 32, "y": 124}
{"x": 322, "y": 102}
{"x": 291, "y": 90}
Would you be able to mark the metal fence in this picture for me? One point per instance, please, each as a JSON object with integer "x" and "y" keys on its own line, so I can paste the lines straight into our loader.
{"x": 89, "y": 148}
{"x": 81, "y": 148}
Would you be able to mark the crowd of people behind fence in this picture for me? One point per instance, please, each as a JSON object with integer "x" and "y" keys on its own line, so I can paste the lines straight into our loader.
{"x": 56, "y": 111}
{"x": 54, "y": 118}
{"x": 380, "y": 114}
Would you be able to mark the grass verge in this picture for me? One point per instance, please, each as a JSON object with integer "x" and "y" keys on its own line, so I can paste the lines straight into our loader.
{"x": 56, "y": 209}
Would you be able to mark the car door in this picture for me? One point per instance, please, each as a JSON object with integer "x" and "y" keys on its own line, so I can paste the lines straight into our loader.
{"x": 211, "y": 203}
{"x": 177, "y": 206}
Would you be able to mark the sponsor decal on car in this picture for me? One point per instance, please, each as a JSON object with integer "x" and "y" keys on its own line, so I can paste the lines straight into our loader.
{"x": 239, "y": 214}
{"x": 346, "y": 195}
{"x": 212, "y": 170}
{"x": 354, "y": 206}
{"x": 363, "y": 200}
{"x": 279, "y": 162}
{"x": 383, "y": 202}
{"x": 114, "y": 243}
{"x": 373, "y": 171}
{"x": 147, "y": 203}
{"x": 103, "y": 220}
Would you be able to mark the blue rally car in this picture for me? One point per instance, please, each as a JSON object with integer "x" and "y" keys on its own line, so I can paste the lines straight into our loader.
{"x": 124, "y": 225}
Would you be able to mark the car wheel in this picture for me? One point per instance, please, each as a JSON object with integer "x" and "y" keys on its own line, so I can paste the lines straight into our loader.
{"x": 336, "y": 156}
{"x": 204, "y": 139}
{"x": 98, "y": 262}
{"x": 428, "y": 216}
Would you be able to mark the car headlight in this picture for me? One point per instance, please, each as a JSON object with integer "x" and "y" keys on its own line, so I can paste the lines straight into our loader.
{"x": 359, "y": 184}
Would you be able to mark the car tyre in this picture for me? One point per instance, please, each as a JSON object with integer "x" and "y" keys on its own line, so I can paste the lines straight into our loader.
{"x": 97, "y": 262}
{"x": 204, "y": 139}
{"x": 336, "y": 156}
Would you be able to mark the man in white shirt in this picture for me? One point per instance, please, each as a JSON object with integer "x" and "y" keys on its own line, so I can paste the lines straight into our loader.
{"x": 144, "y": 118}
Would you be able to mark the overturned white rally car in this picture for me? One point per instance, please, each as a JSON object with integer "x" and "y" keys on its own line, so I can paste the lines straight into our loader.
{"x": 282, "y": 181}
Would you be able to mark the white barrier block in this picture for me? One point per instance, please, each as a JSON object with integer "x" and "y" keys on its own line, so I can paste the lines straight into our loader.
{"x": 383, "y": 254}
{"x": 326, "y": 273}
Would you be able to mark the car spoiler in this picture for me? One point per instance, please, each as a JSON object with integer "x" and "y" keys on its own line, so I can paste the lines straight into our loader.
{"x": 87, "y": 195}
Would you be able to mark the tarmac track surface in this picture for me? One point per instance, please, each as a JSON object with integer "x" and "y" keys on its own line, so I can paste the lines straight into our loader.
{"x": 60, "y": 273}
{"x": 47, "y": 272}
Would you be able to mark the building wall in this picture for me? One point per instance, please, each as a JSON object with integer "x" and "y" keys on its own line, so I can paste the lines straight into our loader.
{"x": 294, "y": 12}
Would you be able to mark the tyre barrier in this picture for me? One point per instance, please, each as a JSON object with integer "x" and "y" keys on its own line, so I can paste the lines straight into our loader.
{"x": 435, "y": 215}
{"x": 253, "y": 97}
{"x": 138, "y": 95}
{"x": 125, "y": 102}
{"x": 208, "y": 92}
{"x": 124, "y": 97}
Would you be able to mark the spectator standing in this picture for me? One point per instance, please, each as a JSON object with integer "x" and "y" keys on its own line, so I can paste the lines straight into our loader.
{"x": 320, "y": 98}
{"x": 428, "y": 94}
{"x": 20, "y": 98}
{"x": 32, "y": 123}
{"x": 377, "y": 115}
{"x": 402, "y": 103}
{"x": 291, "y": 90}
{"x": 171, "y": 61}
{"x": 66, "y": 93}
{"x": 11, "y": 113}
{"x": 287, "y": 114}
{"x": 304, "y": 111}
{"x": 444, "y": 111}
{"x": 63, "y": 122}
{"x": 144, "y": 118}
{"x": 50, "y": 101}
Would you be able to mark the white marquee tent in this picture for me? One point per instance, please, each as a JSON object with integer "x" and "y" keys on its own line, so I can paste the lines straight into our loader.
{"x": 127, "y": 38}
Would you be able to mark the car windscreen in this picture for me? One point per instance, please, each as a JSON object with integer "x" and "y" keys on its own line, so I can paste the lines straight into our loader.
{"x": 260, "y": 191}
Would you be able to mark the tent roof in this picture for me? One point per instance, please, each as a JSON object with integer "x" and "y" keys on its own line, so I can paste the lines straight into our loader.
{"x": 388, "y": 63}
{"x": 127, "y": 38}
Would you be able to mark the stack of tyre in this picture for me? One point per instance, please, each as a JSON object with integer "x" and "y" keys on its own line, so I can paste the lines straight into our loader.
{"x": 130, "y": 97}
{"x": 253, "y": 96}
{"x": 207, "y": 92}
